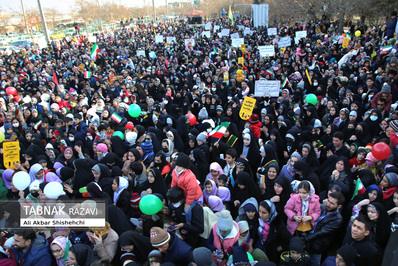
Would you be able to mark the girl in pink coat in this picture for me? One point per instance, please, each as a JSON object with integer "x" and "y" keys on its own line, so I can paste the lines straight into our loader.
{"x": 302, "y": 209}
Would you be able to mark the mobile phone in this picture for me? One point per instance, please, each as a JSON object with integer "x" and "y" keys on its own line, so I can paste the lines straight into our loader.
{"x": 171, "y": 227}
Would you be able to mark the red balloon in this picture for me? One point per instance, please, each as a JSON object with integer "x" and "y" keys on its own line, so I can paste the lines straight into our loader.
{"x": 12, "y": 91}
{"x": 381, "y": 151}
{"x": 191, "y": 118}
{"x": 17, "y": 98}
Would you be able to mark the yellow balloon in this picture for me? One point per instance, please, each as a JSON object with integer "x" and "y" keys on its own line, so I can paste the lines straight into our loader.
{"x": 358, "y": 33}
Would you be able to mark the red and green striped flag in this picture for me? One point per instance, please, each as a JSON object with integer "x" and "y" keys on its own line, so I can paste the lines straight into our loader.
{"x": 270, "y": 72}
{"x": 115, "y": 117}
{"x": 94, "y": 52}
{"x": 219, "y": 131}
{"x": 37, "y": 125}
{"x": 359, "y": 188}
{"x": 385, "y": 49}
{"x": 87, "y": 74}
{"x": 285, "y": 82}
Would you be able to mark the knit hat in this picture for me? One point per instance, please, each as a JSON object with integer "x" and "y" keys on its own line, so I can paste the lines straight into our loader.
{"x": 264, "y": 111}
{"x": 239, "y": 256}
{"x": 394, "y": 125}
{"x": 225, "y": 222}
{"x": 158, "y": 236}
{"x": 296, "y": 244}
{"x": 35, "y": 185}
{"x": 131, "y": 137}
{"x": 219, "y": 108}
{"x": 254, "y": 118}
{"x": 243, "y": 226}
{"x": 135, "y": 200}
{"x": 147, "y": 148}
{"x": 361, "y": 149}
{"x": 54, "y": 106}
{"x": 102, "y": 147}
{"x": 201, "y": 137}
{"x": 386, "y": 88}
{"x": 155, "y": 256}
{"x": 203, "y": 256}
{"x": 354, "y": 113}
{"x": 249, "y": 207}
{"x": 348, "y": 253}
{"x": 392, "y": 179}
{"x": 203, "y": 113}
{"x": 130, "y": 125}
{"x": 183, "y": 161}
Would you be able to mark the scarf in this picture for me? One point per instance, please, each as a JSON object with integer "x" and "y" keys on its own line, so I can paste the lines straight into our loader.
{"x": 263, "y": 230}
{"x": 306, "y": 201}
{"x": 123, "y": 184}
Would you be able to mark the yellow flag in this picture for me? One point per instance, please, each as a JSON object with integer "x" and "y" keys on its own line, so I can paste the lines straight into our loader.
{"x": 308, "y": 76}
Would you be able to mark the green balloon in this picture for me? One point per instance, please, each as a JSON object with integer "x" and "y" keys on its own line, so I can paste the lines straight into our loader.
{"x": 150, "y": 204}
{"x": 119, "y": 134}
{"x": 311, "y": 98}
{"x": 134, "y": 110}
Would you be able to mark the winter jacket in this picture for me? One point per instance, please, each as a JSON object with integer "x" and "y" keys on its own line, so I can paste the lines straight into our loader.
{"x": 38, "y": 253}
{"x": 107, "y": 249}
{"x": 188, "y": 183}
{"x": 293, "y": 208}
{"x": 367, "y": 251}
{"x": 179, "y": 252}
{"x": 324, "y": 231}
{"x": 286, "y": 259}
{"x": 390, "y": 28}
{"x": 256, "y": 129}
{"x": 377, "y": 97}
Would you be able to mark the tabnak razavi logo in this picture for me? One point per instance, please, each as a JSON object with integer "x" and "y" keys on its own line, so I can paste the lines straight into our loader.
{"x": 77, "y": 213}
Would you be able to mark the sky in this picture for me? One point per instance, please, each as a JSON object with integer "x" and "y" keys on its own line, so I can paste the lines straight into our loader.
{"x": 65, "y": 6}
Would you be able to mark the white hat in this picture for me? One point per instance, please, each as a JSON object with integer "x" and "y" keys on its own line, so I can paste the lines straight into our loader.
{"x": 35, "y": 185}
{"x": 131, "y": 137}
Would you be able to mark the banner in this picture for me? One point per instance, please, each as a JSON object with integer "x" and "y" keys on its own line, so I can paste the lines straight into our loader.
{"x": 272, "y": 31}
{"x": 216, "y": 28}
{"x": 190, "y": 40}
{"x": 268, "y": 88}
{"x": 260, "y": 15}
{"x": 266, "y": 50}
{"x": 301, "y": 34}
{"x": 284, "y": 42}
{"x": 159, "y": 39}
{"x": 237, "y": 42}
{"x": 10, "y": 154}
{"x": 235, "y": 35}
{"x": 170, "y": 39}
{"x": 92, "y": 39}
{"x": 241, "y": 27}
{"x": 247, "y": 31}
{"x": 225, "y": 32}
{"x": 247, "y": 108}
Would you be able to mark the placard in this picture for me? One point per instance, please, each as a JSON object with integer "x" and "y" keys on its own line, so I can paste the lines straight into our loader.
{"x": 266, "y": 50}
{"x": 216, "y": 27}
{"x": 140, "y": 52}
{"x": 10, "y": 154}
{"x": 284, "y": 42}
{"x": 237, "y": 42}
{"x": 208, "y": 26}
{"x": 206, "y": 33}
{"x": 159, "y": 39}
{"x": 301, "y": 34}
{"x": 235, "y": 35}
{"x": 240, "y": 27}
{"x": 247, "y": 31}
{"x": 272, "y": 31}
{"x": 346, "y": 41}
{"x": 241, "y": 60}
{"x": 92, "y": 39}
{"x": 190, "y": 40}
{"x": 247, "y": 108}
{"x": 225, "y": 32}
{"x": 152, "y": 55}
{"x": 265, "y": 87}
{"x": 170, "y": 39}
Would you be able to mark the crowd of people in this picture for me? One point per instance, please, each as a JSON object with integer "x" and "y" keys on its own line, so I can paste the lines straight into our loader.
{"x": 279, "y": 188}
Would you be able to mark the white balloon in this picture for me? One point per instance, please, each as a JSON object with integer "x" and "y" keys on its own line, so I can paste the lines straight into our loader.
{"x": 53, "y": 190}
{"x": 21, "y": 180}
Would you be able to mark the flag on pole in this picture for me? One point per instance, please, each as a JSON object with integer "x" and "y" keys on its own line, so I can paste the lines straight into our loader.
{"x": 359, "y": 188}
{"x": 37, "y": 125}
{"x": 87, "y": 74}
{"x": 270, "y": 72}
{"x": 231, "y": 17}
{"x": 385, "y": 49}
{"x": 94, "y": 51}
{"x": 115, "y": 117}
{"x": 55, "y": 80}
{"x": 285, "y": 82}
{"x": 219, "y": 131}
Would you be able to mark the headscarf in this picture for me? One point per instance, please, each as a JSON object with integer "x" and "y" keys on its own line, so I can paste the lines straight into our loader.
{"x": 224, "y": 193}
{"x": 64, "y": 243}
{"x": 7, "y": 176}
{"x": 305, "y": 202}
{"x": 84, "y": 254}
{"x": 264, "y": 226}
{"x": 213, "y": 192}
{"x": 158, "y": 186}
{"x": 171, "y": 148}
{"x": 215, "y": 166}
{"x": 142, "y": 244}
{"x": 34, "y": 170}
{"x": 123, "y": 184}
{"x": 52, "y": 177}
{"x": 215, "y": 203}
